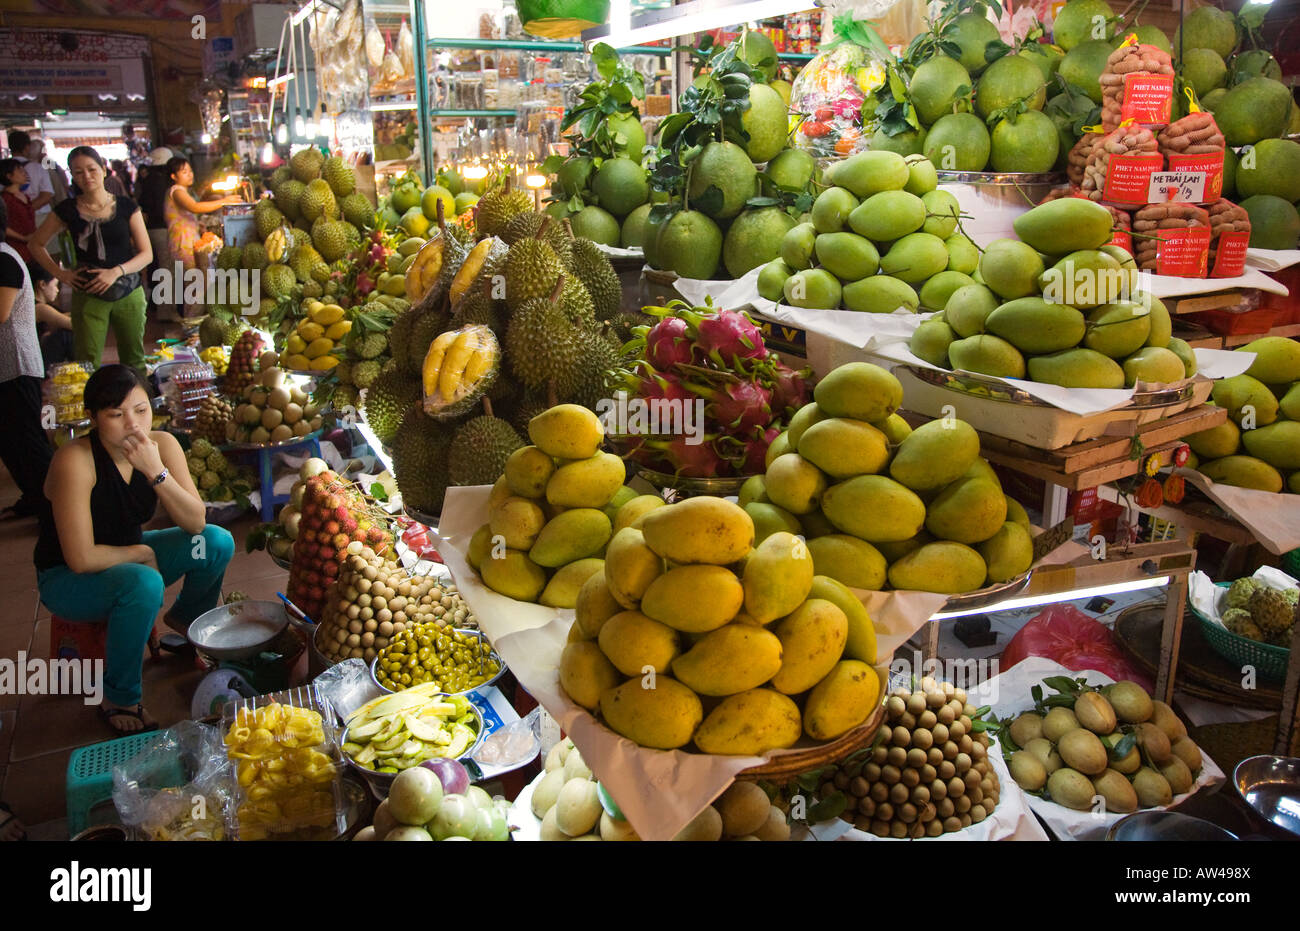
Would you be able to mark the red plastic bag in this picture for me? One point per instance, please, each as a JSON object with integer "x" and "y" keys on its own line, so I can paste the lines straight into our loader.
{"x": 1066, "y": 635}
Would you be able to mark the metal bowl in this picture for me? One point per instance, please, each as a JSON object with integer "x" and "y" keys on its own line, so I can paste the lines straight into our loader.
{"x": 501, "y": 668}
{"x": 693, "y": 487}
{"x": 1270, "y": 785}
{"x": 1157, "y": 825}
{"x": 380, "y": 783}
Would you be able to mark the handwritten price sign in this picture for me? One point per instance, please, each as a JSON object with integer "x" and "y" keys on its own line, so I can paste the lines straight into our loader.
{"x": 1182, "y": 187}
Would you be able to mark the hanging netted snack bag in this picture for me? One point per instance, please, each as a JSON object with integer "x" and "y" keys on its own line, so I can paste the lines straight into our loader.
{"x": 1172, "y": 239}
{"x": 1078, "y": 157}
{"x": 1120, "y": 165}
{"x": 1195, "y": 144}
{"x": 1230, "y": 235}
{"x": 1137, "y": 84}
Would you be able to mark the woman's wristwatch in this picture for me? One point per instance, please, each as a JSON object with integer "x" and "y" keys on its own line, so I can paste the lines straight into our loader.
{"x": 162, "y": 477}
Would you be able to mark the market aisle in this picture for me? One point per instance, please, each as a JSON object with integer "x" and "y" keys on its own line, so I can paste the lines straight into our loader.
{"x": 39, "y": 733}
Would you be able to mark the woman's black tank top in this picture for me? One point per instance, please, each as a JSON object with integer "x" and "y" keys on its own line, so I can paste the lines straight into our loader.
{"x": 118, "y": 510}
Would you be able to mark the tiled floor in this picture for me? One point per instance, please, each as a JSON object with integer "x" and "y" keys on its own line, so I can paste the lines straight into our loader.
{"x": 38, "y": 733}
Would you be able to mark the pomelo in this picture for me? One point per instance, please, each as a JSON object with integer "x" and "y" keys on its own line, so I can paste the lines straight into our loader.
{"x": 766, "y": 122}
{"x": 429, "y": 202}
{"x": 632, "y": 235}
{"x": 597, "y": 224}
{"x": 754, "y": 239}
{"x": 935, "y": 86}
{"x": 723, "y": 165}
{"x": 1274, "y": 223}
{"x": 574, "y": 175}
{"x": 1274, "y": 169}
{"x": 1255, "y": 63}
{"x": 910, "y": 142}
{"x": 1080, "y": 21}
{"x": 1007, "y": 80}
{"x": 1204, "y": 70}
{"x": 757, "y": 51}
{"x": 1083, "y": 65}
{"x": 1046, "y": 57}
{"x": 1257, "y": 108}
{"x": 1207, "y": 27}
{"x": 1148, "y": 35}
{"x": 690, "y": 244}
{"x": 791, "y": 168}
{"x": 630, "y": 127}
{"x": 1028, "y": 143}
{"x": 621, "y": 186}
{"x": 973, "y": 32}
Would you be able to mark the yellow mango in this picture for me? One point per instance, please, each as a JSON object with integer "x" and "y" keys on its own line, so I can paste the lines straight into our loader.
{"x": 630, "y": 566}
{"x": 812, "y": 642}
{"x": 694, "y": 598}
{"x": 563, "y": 588}
{"x": 861, "y": 640}
{"x": 734, "y": 658}
{"x": 750, "y": 724}
{"x": 594, "y": 606}
{"x": 336, "y": 331}
{"x": 586, "y": 483}
{"x": 664, "y": 717}
{"x": 585, "y": 673}
{"x": 841, "y": 701}
{"x": 635, "y": 644}
{"x": 699, "y": 530}
{"x": 778, "y": 575}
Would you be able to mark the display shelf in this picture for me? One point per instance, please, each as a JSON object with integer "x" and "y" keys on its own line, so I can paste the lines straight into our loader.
{"x": 1241, "y": 339}
{"x": 1193, "y": 513}
{"x": 526, "y": 45}
{"x": 471, "y": 113}
{"x": 1197, "y": 303}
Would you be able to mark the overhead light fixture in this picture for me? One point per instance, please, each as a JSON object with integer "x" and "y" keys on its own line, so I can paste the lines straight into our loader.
{"x": 694, "y": 16}
{"x": 400, "y": 105}
{"x": 535, "y": 181}
{"x": 206, "y": 139}
{"x": 26, "y": 96}
{"x": 281, "y": 134}
{"x": 327, "y": 126}
{"x": 312, "y": 129}
{"x": 268, "y": 154}
{"x": 1033, "y": 600}
{"x": 299, "y": 126}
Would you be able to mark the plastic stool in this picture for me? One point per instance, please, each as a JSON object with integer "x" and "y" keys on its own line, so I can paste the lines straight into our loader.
{"x": 90, "y": 775}
{"x": 78, "y": 639}
{"x": 264, "y": 455}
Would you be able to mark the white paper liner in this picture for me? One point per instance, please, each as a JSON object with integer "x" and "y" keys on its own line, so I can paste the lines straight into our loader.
{"x": 1009, "y": 695}
{"x": 1272, "y": 260}
{"x": 618, "y": 252}
{"x": 1274, "y": 519}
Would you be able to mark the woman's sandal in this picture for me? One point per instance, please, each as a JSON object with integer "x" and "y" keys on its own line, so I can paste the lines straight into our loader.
{"x": 10, "y": 819}
{"x": 109, "y": 713}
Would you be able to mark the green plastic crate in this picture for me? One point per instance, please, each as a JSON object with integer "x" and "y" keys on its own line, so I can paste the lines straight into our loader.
{"x": 90, "y": 775}
{"x": 1269, "y": 661}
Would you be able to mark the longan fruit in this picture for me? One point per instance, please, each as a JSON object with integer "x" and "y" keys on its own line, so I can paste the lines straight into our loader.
{"x": 910, "y": 778}
{"x": 826, "y": 788}
{"x": 920, "y": 795}
{"x": 890, "y": 775}
{"x": 897, "y": 757}
{"x": 956, "y": 788}
{"x": 962, "y": 762}
{"x": 939, "y": 734}
{"x": 951, "y": 824}
{"x": 948, "y": 689}
{"x": 962, "y": 804}
{"x": 907, "y": 812}
{"x": 927, "y": 720}
{"x": 966, "y": 745}
{"x": 885, "y": 811}
{"x": 354, "y": 640}
{"x": 928, "y": 774}
{"x": 880, "y": 828}
{"x": 880, "y": 793}
{"x": 895, "y": 707}
{"x": 928, "y": 684}
{"x": 841, "y": 780}
{"x": 947, "y": 769}
{"x": 986, "y": 785}
{"x": 926, "y": 813}
{"x": 934, "y": 829}
{"x": 866, "y": 807}
{"x": 367, "y": 639}
{"x": 969, "y": 711}
{"x": 950, "y": 750}
{"x": 898, "y": 829}
{"x": 916, "y": 704}
{"x": 907, "y": 720}
{"x": 965, "y": 820}
{"x": 934, "y": 756}
{"x": 922, "y": 738}
{"x": 880, "y": 756}
{"x": 916, "y": 758}
{"x": 973, "y": 779}
{"x": 959, "y": 695}
{"x": 859, "y": 787}
{"x": 902, "y": 737}
{"x": 899, "y": 794}
{"x": 977, "y": 814}
{"x": 956, "y": 730}
{"x": 934, "y": 700}
{"x": 355, "y": 627}
{"x": 371, "y": 626}
{"x": 945, "y": 808}
{"x": 979, "y": 753}
{"x": 946, "y": 716}
{"x": 871, "y": 772}
{"x": 938, "y": 790}
{"x": 976, "y": 795}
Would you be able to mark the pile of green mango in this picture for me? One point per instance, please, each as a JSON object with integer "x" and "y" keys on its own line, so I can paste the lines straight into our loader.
{"x": 1057, "y": 306}
{"x": 884, "y": 506}
{"x": 1259, "y": 445}
{"x": 881, "y": 237}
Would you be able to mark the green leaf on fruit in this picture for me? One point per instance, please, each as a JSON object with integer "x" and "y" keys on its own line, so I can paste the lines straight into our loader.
{"x": 828, "y": 808}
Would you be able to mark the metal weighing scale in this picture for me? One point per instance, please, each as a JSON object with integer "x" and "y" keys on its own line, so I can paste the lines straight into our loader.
{"x": 251, "y": 649}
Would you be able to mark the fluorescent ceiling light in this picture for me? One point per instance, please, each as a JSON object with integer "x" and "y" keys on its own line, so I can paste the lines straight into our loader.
{"x": 26, "y": 96}
{"x": 400, "y": 105}
{"x": 686, "y": 18}
{"x": 282, "y": 79}
{"x": 1013, "y": 603}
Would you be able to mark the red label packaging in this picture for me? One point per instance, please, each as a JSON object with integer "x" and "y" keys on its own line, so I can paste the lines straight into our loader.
{"x": 1211, "y": 163}
{"x": 1148, "y": 98}
{"x": 1230, "y": 256}
{"x": 1128, "y": 178}
{"x": 1183, "y": 253}
{"x": 1123, "y": 239}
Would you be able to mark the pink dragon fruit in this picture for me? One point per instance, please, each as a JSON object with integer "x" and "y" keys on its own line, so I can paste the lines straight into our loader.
{"x": 727, "y": 337}
{"x": 668, "y": 343}
{"x": 364, "y": 284}
{"x": 755, "y": 461}
{"x": 738, "y": 407}
{"x": 789, "y": 391}
{"x": 690, "y": 460}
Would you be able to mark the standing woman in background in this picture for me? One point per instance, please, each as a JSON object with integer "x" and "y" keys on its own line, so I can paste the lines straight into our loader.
{"x": 112, "y": 247}
{"x": 24, "y": 447}
{"x": 22, "y": 218}
{"x": 180, "y": 210}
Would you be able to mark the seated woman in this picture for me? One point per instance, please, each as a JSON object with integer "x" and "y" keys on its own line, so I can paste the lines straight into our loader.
{"x": 94, "y": 561}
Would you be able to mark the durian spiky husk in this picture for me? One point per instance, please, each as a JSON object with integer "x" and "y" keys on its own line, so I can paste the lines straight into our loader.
{"x": 480, "y": 449}
{"x": 387, "y": 400}
{"x": 424, "y": 331}
{"x": 555, "y": 234}
{"x": 498, "y": 207}
{"x": 598, "y": 275}
{"x": 421, "y": 447}
{"x": 543, "y": 346}
{"x": 600, "y": 357}
{"x": 531, "y": 270}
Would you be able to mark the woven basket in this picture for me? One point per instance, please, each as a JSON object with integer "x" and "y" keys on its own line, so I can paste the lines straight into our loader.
{"x": 1269, "y": 661}
{"x": 805, "y": 759}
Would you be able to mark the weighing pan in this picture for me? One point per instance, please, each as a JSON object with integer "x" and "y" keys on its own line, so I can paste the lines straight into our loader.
{"x": 1157, "y": 825}
{"x": 240, "y": 629}
{"x": 1270, "y": 785}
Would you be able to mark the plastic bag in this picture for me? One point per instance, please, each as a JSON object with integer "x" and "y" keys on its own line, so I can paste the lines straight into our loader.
{"x": 1066, "y": 635}
{"x": 178, "y": 789}
{"x": 406, "y": 48}
{"x": 374, "y": 44}
{"x": 828, "y": 95}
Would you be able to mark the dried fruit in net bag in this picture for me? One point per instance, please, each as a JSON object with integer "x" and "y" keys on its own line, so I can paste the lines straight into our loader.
{"x": 1129, "y": 139}
{"x": 1154, "y": 219}
{"x": 1225, "y": 217}
{"x": 1131, "y": 58}
{"x": 1078, "y": 157}
{"x": 1193, "y": 134}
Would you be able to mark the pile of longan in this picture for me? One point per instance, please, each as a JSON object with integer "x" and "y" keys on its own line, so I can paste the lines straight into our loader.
{"x": 928, "y": 772}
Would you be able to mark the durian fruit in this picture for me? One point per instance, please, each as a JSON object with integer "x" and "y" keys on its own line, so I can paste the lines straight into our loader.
{"x": 254, "y": 257}
{"x": 279, "y": 176}
{"x": 593, "y": 269}
{"x": 600, "y": 357}
{"x": 303, "y": 259}
{"x": 498, "y": 207}
{"x": 367, "y": 344}
{"x": 387, "y": 400}
{"x": 448, "y": 250}
{"x": 577, "y": 304}
{"x": 229, "y": 257}
{"x": 278, "y": 281}
{"x": 399, "y": 337}
{"x": 542, "y": 345}
{"x": 305, "y": 164}
{"x": 480, "y": 449}
{"x": 490, "y": 252}
{"x": 318, "y": 201}
{"x": 459, "y": 368}
{"x": 477, "y": 307}
{"x": 529, "y": 406}
{"x": 1272, "y": 611}
{"x": 357, "y": 210}
{"x": 288, "y": 196}
{"x": 339, "y": 176}
{"x": 423, "y": 332}
{"x": 277, "y": 244}
{"x": 212, "y": 331}
{"x": 536, "y": 225}
{"x": 421, "y": 447}
{"x": 330, "y": 237}
{"x": 531, "y": 270}
{"x": 266, "y": 218}
{"x": 365, "y": 372}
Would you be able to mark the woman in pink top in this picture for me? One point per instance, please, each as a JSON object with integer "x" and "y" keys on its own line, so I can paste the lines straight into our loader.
{"x": 180, "y": 209}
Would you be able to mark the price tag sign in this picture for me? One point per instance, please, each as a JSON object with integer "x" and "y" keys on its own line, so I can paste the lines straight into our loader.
{"x": 1128, "y": 179}
{"x": 1183, "y": 253}
{"x": 1211, "y": 163}
{"x": 1176, "y": 187}
{"x": 1148, "y": 98}
{"x": 1230, "y": 255}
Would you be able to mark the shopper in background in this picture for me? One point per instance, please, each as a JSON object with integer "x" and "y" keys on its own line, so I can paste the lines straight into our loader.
{"x": 24, "y": 447}
{"x": 151, "y": 186}
{"x": 93, "y": 559}
{"x": 39, "y": 189}
{"x": 22, "y": 220}
{"x": 137, "y": 148}
{"x": 113, "y": 182}
{"x": 112, "y": 248}
{"x": 180, "y": 211}
{"x": 53, "y": 326}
